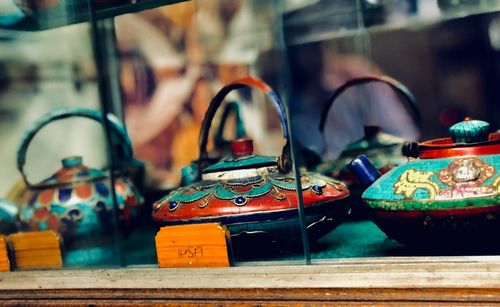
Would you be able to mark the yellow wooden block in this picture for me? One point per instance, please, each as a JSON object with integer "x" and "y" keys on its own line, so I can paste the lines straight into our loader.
{"x": 4, "y": 255}
{"x": 197, "y": 245}
{"x": 36, "y": 250}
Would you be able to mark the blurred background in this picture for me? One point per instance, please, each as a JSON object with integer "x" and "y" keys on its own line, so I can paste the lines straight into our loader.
{"x": 173, "y": 59}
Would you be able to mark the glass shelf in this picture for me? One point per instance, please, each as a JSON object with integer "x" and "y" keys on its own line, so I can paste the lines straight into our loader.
{"x": 76, "y": 11}
{"x": 322, "y": 21}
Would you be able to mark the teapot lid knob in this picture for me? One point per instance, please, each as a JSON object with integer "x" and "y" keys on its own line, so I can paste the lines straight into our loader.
{"x": 72, "y": 161}
{"x": 242, "y": 147}
{"x": 470, "y": 131}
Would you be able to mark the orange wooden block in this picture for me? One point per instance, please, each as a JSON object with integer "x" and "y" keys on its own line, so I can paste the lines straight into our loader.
{"x": 4, "y": 255}
{"x": 36, "y": 250}
{"x": 197, "y": 245}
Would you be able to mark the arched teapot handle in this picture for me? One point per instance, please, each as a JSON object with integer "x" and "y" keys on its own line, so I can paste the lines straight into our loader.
{"x": 284, "y": 161}
{"x": 121, "y": 141}
{"x": 397, "y": 86}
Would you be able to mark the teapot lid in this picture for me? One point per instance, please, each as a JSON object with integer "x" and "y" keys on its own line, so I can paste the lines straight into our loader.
{"x": 469, "y": 131}
{"x": 374, "y": 139}
{"x": 242, "y": 157}
{"x": 72, "y": 171}
{"x": 468, "y": 138}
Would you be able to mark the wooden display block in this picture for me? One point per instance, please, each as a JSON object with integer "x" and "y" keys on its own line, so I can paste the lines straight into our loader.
{"x": 197, "y": 245}
{"x": 4, "y": 255}
{"x": 36, "y": 250}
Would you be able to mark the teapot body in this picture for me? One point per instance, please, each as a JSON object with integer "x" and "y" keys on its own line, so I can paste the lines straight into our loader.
{"x": 447, "y": 198}
{"x": 79, "y": 209}
{"x": 264, "y": 203}
{"x": 436, "y": 184}
{"x": 449, "y": 201}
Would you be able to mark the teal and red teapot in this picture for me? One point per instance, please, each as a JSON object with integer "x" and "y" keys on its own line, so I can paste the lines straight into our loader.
{"x": 253, "y": 195}
{"x": 447, "y": 195}
{"x": 77, "y": 201}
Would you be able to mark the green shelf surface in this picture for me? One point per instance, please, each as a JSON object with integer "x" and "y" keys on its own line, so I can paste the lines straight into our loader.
{"x": 76, "y": 11}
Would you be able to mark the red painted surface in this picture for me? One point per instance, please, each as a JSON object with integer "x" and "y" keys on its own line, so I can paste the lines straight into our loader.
{"x": 84, "y": 190}
{"x": 445, "y": 148}
{"x": 45, "y": 197}
{"x": 267, "y": 203}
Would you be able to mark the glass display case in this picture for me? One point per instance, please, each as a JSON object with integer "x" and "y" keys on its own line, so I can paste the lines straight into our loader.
{"x": 156, "y": 74}
{"x": 244, "y": 116}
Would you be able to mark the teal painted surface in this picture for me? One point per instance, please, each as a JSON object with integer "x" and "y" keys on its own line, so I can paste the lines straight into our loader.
{"x": 357, "y": 239}
{"x": 225, "y": 193}
{"x": 470, "y": 131}
{"x": 242, "y": 163}
{"x": 384, "y": 188}
{"x": 188, "y": 197}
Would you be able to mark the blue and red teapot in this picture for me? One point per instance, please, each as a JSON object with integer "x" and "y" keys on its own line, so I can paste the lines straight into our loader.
{"x": 77, "y": 201}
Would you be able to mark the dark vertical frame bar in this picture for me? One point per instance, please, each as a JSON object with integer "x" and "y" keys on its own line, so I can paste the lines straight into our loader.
{"x": 278, "y": 33}
{"x": 111, "y": 55}
{"x": 103, "y": 43}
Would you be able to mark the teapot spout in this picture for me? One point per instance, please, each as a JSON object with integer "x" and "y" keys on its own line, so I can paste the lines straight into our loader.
{"x": 364, "y": 170}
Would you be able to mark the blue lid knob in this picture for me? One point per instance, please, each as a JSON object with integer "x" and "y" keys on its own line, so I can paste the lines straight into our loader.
{"x": 470, "y": 131}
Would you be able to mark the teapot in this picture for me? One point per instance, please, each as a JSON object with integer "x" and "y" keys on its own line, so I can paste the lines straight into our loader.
{"x": 77, "y": 201}
{"x": 252, "y": 194}
{"x": 447, "y": 195}
{"x": 383, "y": 150}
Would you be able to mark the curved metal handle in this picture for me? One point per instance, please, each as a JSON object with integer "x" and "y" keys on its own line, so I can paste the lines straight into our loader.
{"x": 409, "y": 99}
{"x": 230, "y": 107}
{"x": 284, "y": 161}
{"x": 120, "y": 139}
